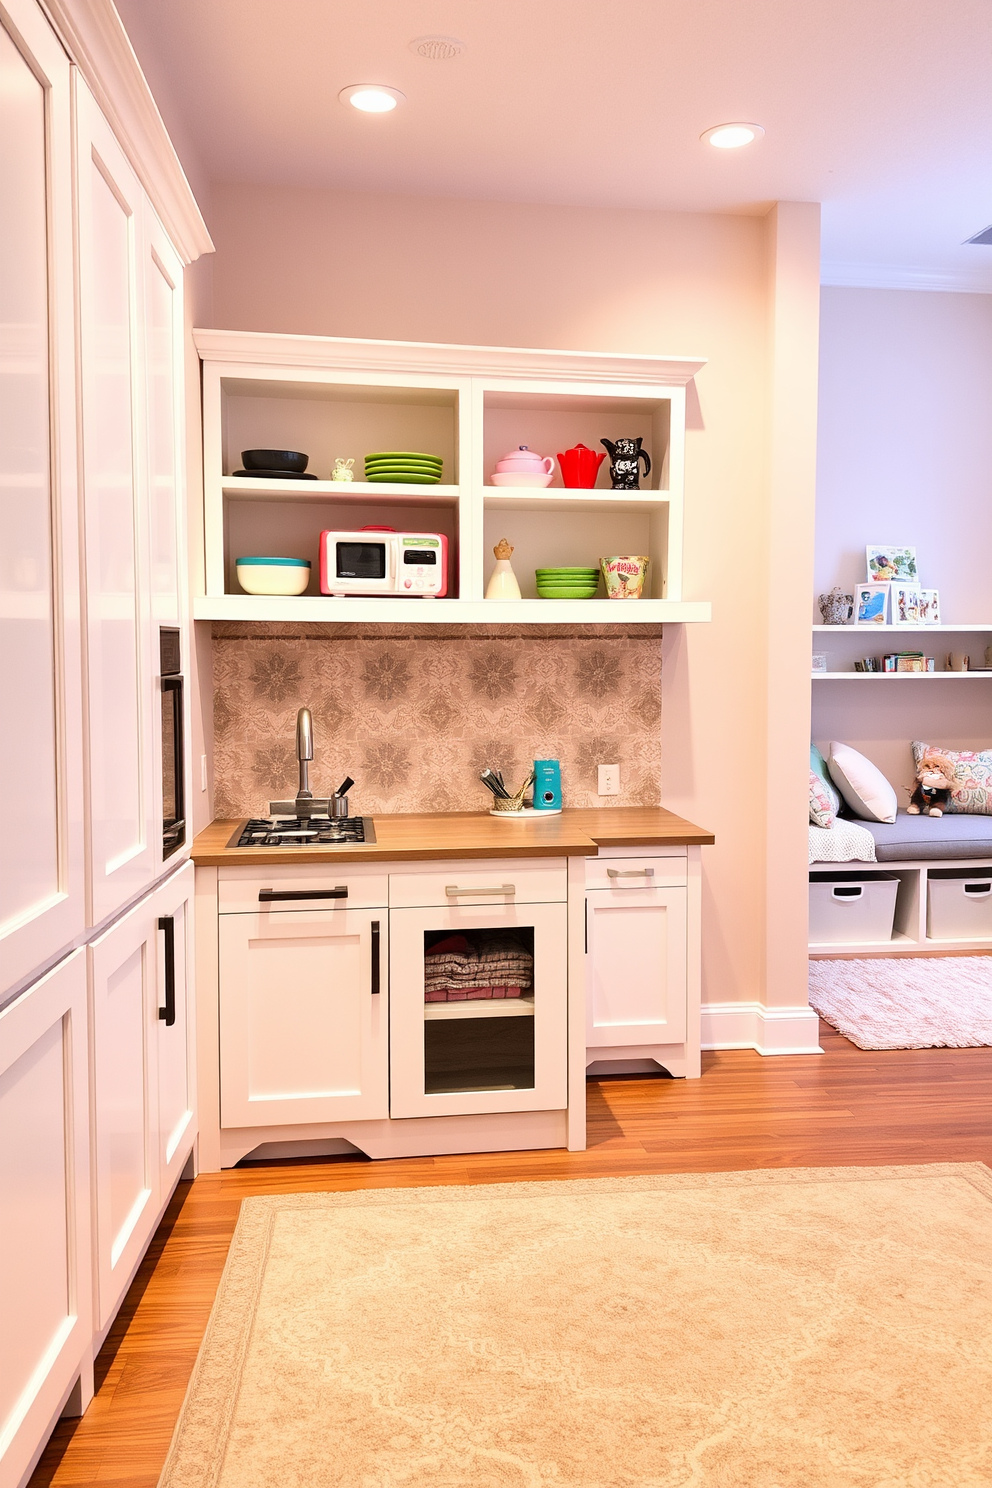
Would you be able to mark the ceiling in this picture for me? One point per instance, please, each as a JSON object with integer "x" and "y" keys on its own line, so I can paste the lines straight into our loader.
{"x": 880, "y": 109}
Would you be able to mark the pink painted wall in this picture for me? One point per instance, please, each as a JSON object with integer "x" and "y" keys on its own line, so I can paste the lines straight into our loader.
{"x": 506, "y": 274}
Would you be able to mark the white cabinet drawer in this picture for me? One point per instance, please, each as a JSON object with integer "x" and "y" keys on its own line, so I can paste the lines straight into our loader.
{"x": 497, "y": 882}
{"x": 635, "y": 873}
{"x": 311, "y": 886}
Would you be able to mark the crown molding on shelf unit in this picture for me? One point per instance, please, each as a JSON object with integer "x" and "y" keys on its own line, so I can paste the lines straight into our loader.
{"x": 346, "y": 353}
{"x": 94, "y": 36}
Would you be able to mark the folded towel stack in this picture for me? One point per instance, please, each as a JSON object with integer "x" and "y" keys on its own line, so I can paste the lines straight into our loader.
{"x": 493, "y": 964}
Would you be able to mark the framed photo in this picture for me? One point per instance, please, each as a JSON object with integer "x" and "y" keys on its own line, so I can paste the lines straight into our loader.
{"x": 871, "y": 604}
{"x": 905, "y": 604}
{"x": 929, "y": 607}
{"x": 891, "y": 562}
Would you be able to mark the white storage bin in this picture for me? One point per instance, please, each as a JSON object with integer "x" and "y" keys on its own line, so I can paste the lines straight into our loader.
{"x": 851, "y": 908}
{"x": 959, "y": 904}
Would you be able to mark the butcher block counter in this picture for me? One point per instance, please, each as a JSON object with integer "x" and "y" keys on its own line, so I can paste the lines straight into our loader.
{"x": 470, "y": 834}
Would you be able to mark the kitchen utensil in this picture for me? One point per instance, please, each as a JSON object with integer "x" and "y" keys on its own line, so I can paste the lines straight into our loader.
{"x": 579, "y": 467}
{"x": 516, "y": 801}
{"x": 273, "y": 575}
{"x": 525, "y": 461}
{"x": 493, "y": 781}
{"x": 509, "y": 478}
{"x": 268, "y": 459}
{"x": 277, "y": 474}
{"x": 625, "y": 470}
{"x": 589, "y": 568}
{"x": 547, "y": 785}
{"x": 433, "y": 462}
{"x": 402, "y": 455}
{"x": 402, "y": 477}
{"x": 502, "y": 581}
{"x": 624, "y": 576}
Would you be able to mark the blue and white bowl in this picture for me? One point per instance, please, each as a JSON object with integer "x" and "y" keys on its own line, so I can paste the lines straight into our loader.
{"x": 273, "y": 575}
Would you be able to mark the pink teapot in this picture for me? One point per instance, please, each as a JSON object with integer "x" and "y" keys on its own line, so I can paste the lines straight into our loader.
{"x": 523, "y": 461}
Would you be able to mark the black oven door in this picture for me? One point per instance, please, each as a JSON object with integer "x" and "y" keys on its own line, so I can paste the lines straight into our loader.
{"x": 173, "y": 771}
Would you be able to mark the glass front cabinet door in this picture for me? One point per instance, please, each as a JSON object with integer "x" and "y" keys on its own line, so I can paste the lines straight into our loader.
{"x": 478, "y": 1009}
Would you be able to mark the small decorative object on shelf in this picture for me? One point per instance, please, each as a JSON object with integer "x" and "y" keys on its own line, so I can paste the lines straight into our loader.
{"x": 867, "y": 664}
{"x": 905, "y": 604}
{"x": 624, "y": 576}
{"x": 958, "y": 661}
{"x": 935, "y": 779}
{"x": 625, "y": 469}
{"x": 929, "y": 607}
{"x": 523, "y": 467}
{"x": 891, "y": 562}
{"x": 503, "y": 581}
{"x": 579, "y": 467}
{"x": 836, "y": 607}
{"x": 872, "y": 602}
{"x": 819, "y": 661}
{"x": 343, "y": 470}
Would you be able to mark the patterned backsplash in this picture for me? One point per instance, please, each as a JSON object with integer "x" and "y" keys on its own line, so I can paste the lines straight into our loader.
{"x": 414, "y": 715}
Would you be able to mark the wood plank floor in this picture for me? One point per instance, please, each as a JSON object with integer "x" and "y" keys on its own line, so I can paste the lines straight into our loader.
{"x": 845, "y": 1107}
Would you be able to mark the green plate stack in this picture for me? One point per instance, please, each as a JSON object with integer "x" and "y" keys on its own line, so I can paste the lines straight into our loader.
{"x": 407, "y": 466}
{"x": 567, "y": 583}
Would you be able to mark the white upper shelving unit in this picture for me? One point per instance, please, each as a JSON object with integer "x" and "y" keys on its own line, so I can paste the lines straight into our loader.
{"x": 334, "y": 397}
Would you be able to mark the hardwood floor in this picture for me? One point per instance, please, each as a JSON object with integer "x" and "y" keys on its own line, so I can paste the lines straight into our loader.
{"x": 845, "y": 1107}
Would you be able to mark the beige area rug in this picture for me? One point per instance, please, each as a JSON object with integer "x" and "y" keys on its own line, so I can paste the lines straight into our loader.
{"x": 906, "y": 1002}
{"x": 775, "y": 1329}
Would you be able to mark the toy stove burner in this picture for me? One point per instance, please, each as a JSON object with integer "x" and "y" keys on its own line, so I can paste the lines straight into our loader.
{"x": 295, "y": 831}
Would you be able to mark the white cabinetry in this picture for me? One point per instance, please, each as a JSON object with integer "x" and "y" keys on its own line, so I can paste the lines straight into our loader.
{"x": 45, "y": 1288}
{"x": 141, "y": 1078}
{"x": 642, "y": 985}
{"x": 42, "y": 907}
{"x": 304, "y": 1010}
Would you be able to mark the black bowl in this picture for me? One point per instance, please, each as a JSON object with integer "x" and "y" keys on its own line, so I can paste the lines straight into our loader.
{"x": 275, "y": 460}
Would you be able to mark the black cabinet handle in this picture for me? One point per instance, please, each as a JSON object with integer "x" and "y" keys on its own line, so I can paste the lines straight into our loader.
{"x": 167, "y": 924}
{"x": 375, "y": 958}
{"x": 267, "y": 896}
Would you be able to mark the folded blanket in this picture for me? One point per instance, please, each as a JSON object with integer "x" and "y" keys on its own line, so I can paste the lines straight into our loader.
{"x": 474, "y": 994}
{"x": 844, "y": 842}
{"x": 490, "y": 964}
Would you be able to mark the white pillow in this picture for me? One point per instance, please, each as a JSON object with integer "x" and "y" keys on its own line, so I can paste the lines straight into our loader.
{"x": 862, "y": 784}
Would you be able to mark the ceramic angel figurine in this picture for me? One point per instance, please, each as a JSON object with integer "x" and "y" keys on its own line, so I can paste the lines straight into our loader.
{"x": 503, "y": 581}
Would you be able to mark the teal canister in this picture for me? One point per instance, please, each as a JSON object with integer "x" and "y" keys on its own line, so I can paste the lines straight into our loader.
{"x": 547, "y": 785}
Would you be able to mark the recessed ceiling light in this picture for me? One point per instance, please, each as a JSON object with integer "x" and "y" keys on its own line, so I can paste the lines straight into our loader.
{"x": 732, "y": 136}
{"x": 372, "y": 98}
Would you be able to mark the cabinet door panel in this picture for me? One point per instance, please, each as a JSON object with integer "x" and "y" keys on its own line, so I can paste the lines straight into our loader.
{"x": 123, "y": 987}
{"x": 45, "y": 1284}
{"x": 175, "y": 1059}
{"x": 303, "y": 1036}
{"x": 41, "y": 878}
{"x": 636, "y": 967}
{"x": 119, "y": 693}
{"x": 162, "y": 360}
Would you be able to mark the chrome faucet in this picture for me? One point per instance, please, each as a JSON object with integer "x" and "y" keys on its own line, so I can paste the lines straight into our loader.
{"x": 306, "y": 804}
{"x": 304, "y": 753}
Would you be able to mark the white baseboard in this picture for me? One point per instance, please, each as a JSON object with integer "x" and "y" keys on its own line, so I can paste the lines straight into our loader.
{"x": 750, "y": 1025}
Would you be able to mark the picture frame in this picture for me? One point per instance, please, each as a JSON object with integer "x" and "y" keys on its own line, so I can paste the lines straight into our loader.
{"x": 871, "y": 604}
{"x": 904, "y": 605}
{"x": 930, "y": 607}
{"x": 888, "y": 561}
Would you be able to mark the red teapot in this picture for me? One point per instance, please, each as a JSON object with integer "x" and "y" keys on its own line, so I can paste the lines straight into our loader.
{"x": 579, "y": 467}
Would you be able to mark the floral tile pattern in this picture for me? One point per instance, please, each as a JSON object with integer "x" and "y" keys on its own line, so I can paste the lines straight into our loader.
{"x": 414, "y": 718}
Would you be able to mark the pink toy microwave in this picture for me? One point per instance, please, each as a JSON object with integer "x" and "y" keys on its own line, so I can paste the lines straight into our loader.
{"x": 378, "y": 560}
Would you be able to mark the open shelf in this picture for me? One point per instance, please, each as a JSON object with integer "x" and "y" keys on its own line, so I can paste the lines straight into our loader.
{"x": 246, "y": 488}
{"x": 865, "y": 630}
{"x": 902, "y": 676}
{"x": 526, "y": 498}
{"x": 500, "y": 1007}
{"x": 319, "y": 607}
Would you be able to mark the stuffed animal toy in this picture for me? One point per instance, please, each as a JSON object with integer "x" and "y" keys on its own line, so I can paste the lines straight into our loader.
{"x": 934, "y": 782}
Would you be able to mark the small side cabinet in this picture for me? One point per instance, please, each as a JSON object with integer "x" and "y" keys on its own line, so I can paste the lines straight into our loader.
{"x": 639, "y": 944}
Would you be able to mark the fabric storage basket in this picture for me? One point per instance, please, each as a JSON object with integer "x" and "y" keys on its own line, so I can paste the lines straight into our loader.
{"x": 852, "y": 908}
{"x": 959, "y": 904}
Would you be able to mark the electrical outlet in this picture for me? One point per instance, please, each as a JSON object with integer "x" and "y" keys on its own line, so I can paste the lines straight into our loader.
{"x": 609, "y": 780}
{"x": 203, "y": 772}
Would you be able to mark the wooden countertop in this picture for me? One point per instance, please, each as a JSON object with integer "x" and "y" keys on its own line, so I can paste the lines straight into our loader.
{"x": 470, "y": 834}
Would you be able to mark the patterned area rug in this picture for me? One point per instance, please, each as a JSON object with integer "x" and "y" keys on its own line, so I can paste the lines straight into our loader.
{"x": 829, "y": 1328}
{"x": 905, "y": 1002}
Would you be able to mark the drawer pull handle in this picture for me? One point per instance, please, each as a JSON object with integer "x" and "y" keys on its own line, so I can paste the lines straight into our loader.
{"x": 453, "y": 891}
{"x": 849, "y": 893}
{"x": 375, "y": 958}
{"x": 979, "y": 888}
{"x": 268, "y": 896}
{"x": 167, "y": 924}
{"x": 630, "y": 873}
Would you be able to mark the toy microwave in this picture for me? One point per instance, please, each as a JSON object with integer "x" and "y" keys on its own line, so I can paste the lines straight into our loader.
{"x": 379, "y": 560}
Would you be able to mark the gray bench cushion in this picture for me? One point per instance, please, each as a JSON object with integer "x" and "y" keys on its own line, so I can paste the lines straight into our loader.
{"x": 930, "y": 838}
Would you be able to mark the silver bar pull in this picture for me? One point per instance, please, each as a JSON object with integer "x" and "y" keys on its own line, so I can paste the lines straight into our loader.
{"x": 454, "y": 892}
{"x": 630, "y": 873}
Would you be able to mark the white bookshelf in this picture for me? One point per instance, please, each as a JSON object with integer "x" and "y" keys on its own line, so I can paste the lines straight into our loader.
{"x": 334, "y": 398}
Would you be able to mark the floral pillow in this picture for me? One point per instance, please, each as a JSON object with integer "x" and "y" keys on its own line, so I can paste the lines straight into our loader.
{"x": 972, "y": 793}
{"x": 821, "y": 811}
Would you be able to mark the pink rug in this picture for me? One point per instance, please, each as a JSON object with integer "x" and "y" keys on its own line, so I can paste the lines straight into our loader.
{"x": 922, "y": 1002}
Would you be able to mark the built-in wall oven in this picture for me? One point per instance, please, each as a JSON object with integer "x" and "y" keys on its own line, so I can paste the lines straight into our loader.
{"x": 173, "y": 746}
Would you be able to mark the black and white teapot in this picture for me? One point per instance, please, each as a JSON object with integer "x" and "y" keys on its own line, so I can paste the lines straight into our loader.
{"x": 625, "y": 456}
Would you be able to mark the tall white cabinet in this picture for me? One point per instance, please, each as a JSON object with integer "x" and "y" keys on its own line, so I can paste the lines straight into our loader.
{"x": 42, "y": 903}
{"x": 97, "y": 1114}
